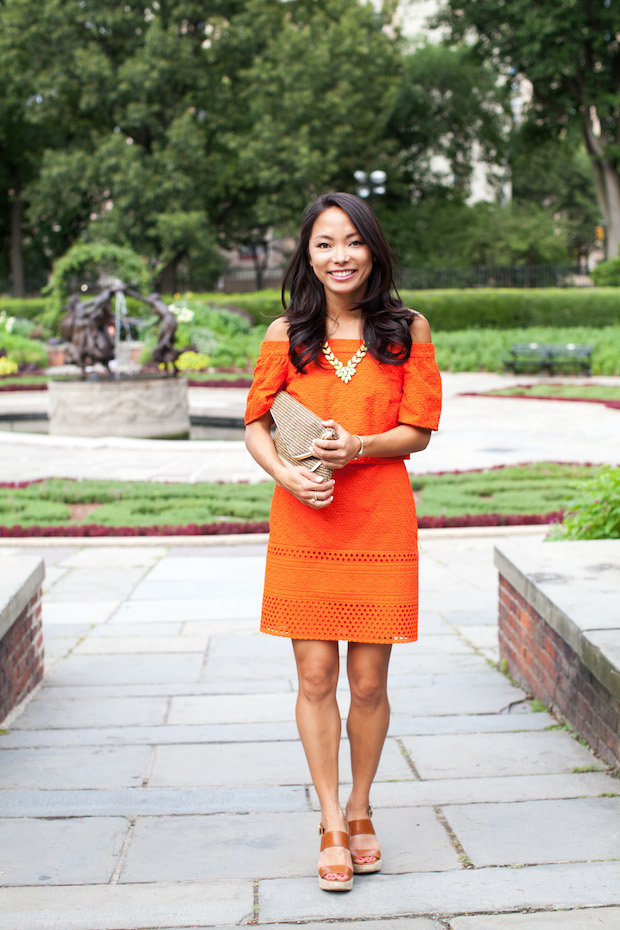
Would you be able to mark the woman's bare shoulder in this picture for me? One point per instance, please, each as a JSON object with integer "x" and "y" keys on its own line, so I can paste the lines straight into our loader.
{"x": 418, "y": 325}
{"x": 277, "y": 331}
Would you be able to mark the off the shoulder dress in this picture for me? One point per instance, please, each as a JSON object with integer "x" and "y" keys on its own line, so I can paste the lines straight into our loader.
{"x": 348, "y": 571}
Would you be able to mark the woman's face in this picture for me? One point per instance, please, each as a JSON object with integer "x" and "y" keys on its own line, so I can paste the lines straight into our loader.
{"x": 339, "y": 257}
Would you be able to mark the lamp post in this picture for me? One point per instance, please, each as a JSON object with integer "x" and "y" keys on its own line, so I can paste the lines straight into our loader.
{"x": 368, "y": 184}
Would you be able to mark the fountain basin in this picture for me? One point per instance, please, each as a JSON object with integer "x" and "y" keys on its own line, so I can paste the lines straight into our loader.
{"x": 141, "y": 407}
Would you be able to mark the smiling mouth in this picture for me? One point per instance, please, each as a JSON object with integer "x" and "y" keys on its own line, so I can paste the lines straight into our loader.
{"x": 342, "y": 275}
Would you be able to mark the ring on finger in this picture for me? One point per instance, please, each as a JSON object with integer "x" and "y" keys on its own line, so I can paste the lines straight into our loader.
{"x": 315, "y": 497}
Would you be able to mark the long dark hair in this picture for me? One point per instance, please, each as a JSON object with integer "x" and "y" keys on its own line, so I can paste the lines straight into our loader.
{"x": 386, "y": 320}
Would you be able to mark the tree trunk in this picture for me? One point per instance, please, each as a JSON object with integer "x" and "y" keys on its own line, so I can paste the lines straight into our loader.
{"x": 16, "y": 248}
{"x": 612, "y": 189}
{"x": 168, "y": 279}
{"x": 607, "y": 183}
{"x": 260, "y": 262}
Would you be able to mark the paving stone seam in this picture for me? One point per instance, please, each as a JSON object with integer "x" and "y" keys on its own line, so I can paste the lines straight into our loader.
{"x": 453, "y": 838}
{"x": 408, "y": 759}
{"x": 124, "y": 852}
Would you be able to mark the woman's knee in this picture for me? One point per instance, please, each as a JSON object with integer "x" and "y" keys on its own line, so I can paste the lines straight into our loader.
{"x": 368, "y": 691}
{"x": 317, "y": 681}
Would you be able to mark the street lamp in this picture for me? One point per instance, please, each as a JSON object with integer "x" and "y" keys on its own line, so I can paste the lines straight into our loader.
{"x": 367, "y": 184}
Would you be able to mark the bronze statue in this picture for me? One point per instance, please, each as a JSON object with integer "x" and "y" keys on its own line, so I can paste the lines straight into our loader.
{"x": 164, "y": 352}
{"x": 90, "y": 328}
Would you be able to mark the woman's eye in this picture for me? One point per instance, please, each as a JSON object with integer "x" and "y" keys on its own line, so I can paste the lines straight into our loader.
{"x": 357, "y": 242}
{"x": 323, "y": 245}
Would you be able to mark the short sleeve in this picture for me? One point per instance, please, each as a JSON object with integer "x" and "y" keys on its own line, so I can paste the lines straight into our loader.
{"x": 421, "y": 398}
{"x": 269, "y": 378}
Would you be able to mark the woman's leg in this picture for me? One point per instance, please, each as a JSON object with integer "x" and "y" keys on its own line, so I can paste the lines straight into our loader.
{"x": 318, "y": 721}
{"x": 367, "y": 726}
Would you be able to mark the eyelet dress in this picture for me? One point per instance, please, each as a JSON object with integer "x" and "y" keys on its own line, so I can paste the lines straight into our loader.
{"x": 348, "y": 571}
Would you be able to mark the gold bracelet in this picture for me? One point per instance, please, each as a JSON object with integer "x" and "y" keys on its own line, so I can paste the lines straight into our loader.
{"x": 361, "y": 452}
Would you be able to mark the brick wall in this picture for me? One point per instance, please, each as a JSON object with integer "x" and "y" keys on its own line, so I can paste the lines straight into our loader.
{"x": 547, "y": 666}
{"x": 21, "y": 634}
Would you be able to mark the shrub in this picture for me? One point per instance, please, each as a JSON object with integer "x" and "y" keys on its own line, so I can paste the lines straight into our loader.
{"x": 483, "y": 349}
{"x": 7, "y": 366}
{"x": 83, "y": 264}
{"x": 607, "y": 274}
{"x": 497, "y": 308}
{"x": 228, "y": 338}
{"x": 28, "y": 308}
{"x": 22, "y": 350}
{"x": 193, "y": 361}
{"x": 508, "y": 308}
{"x": 594, "y": 511}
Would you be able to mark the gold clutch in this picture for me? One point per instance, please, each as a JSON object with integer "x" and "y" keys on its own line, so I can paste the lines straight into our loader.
{"x": 296, "y": 427}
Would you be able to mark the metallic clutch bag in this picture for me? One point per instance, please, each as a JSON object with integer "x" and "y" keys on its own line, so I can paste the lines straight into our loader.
{"x": 296, "y": 427}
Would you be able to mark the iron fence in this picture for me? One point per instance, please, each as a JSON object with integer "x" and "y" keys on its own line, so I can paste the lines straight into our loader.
{"x": 495, "y": 276}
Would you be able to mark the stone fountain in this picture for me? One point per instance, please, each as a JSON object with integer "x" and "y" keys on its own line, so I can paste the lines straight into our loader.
{"x": 106, "y": 401}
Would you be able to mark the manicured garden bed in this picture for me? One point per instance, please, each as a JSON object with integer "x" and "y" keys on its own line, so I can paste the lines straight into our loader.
{"x": 512, "y": 495}
{"x": 607, "y": 394}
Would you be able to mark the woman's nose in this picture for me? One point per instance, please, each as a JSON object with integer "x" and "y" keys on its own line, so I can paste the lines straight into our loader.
{"x": 342, "y": 253}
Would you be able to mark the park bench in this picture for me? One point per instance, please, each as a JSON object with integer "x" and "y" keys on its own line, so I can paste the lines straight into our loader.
{"x": 539, "y": 356}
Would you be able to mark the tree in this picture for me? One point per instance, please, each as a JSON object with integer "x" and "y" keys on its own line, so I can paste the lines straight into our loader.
{"x": 450, "y": 110}
{"x": 555, "y": 173}
{"x": 307, "y": 107}
{"x": 569, "y": 51}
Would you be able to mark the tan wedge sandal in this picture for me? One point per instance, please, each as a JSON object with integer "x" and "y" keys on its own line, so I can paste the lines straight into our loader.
{"x": 329, "y": 839}
{"x": 356, "y": 827}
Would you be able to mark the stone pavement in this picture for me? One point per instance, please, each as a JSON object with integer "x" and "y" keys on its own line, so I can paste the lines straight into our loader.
{"x": 476, "y": 432}
{"x": 156, "y": 779}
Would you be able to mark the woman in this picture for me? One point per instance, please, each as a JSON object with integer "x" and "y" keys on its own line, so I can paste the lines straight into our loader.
{"x": 342, "y": 555}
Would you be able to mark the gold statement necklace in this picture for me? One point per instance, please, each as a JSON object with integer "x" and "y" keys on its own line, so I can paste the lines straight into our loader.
{"x": 344, "y": 372}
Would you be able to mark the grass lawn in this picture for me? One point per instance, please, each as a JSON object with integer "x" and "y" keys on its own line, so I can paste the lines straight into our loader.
{"x": 523, "y": 489}
{"x": 578, "y": 391}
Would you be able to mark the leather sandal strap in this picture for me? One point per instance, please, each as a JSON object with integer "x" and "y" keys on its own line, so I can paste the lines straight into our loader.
{"x": 336, "y": 870}
{"x": 360, "y": 826}
{"x": 335, "y": 838}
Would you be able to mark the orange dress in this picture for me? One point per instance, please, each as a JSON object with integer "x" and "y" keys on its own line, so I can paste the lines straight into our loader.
{"x": 348, "y": 571}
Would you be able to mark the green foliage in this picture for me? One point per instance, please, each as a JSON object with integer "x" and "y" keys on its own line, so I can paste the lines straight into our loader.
{"x": 262, "y": 306}
{"x": 556, "y": 172}
{"x": 441, "y": 230}
{"x": 537, "y": 488}
{"x": 607, "y": 274}
{"x": 83, "y": 264}
{"x": 228, "y": 338}
{"x": 558, "y": 389}
{"x": 593, "y": 512}
{"x": 518, "y": 489}
{"x": 569, "y": 53}
{"x": 508, "y": 308}
{"x": 447, "y": 87}
{"x": 134, "y": 503}
{"x": 30, "y": 308}
{"x": 21, "y": 349}
{"x": 454, "y": 309}
{"x": 484, "y": 349}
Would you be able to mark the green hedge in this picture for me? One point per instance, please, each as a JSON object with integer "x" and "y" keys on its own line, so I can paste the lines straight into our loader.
{"x": 497, "y": 308}
{"x": 21, "y": 349}
{"x": 28, "y": 308}
{"x": 449, "y": 310}
{"x": 508, "y": 308}
{"x": 483, "y": 349}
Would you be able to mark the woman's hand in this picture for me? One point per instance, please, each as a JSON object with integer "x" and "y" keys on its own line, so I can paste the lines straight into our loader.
{"x": 305, "y": 485}
{"x": 338, "y": 452}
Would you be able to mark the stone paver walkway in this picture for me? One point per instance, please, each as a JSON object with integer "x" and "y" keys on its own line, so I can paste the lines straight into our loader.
{"x": 156, "y": 779}
{"x": 476, "y": 432}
